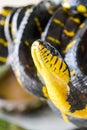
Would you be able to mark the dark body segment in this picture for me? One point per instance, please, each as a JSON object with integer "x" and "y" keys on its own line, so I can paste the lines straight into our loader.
{"x": 3, "y": 42}
{"x": 30, "y": 29}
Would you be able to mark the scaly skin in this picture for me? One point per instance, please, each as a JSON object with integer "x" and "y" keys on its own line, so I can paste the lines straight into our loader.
{"x": 57, "y": 80}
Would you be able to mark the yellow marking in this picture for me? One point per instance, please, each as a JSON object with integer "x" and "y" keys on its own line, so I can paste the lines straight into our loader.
{"x": 18, "y": 75}
{"x": 76, "y": 20}
{"x": 56, "y": 67}
{"x": 72, "y": 72}
{"x": 66, "y": 9}
{"x": 13, "y": 31}
{"x": 54, "y": 40}
{"x": 50, "y": 9}
{"x": 44, "y": 90}
{"x": 82, "y": 25}
{"x": 27, "y": 66}
{"x": 43, "y": 50}
{"x": 38, "y": 24}
{"x": 85, "y": 14}
{"x": 81, "y": 8}
{"x": 10, "y": 25}
{"x": 28, "y": 8}
{"x": 69, "y": 46}
{"x": 64, "y": 75}
{"x": 53, "y": 60}
{"x": 27, "y": 43}
{"x": 69, "y": 33}
{"x": 57, "y": 86}
{"x": 3, "y": 42}
{"x": 2, "y": 22}
{"x": 5, "y": 12}
{"x": 3, "y": 59}
{"x": 19, "y": 81}
{"x": 57, "y": 21}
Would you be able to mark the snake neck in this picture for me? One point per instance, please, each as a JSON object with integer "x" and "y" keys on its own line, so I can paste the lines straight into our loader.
{"x": 58, "y": 90}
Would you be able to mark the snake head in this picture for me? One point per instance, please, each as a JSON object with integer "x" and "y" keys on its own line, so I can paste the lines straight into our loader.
{"x": 53, "y": 70}
{"x": 49, "y": 62}
{"x": 46, "y": 57}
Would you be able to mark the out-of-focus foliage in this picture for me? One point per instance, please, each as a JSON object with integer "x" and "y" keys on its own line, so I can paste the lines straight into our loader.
{"x": 4, "y": 125}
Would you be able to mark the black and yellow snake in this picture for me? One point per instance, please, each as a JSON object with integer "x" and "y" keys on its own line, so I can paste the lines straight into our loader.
{"x": 53, "y": 67}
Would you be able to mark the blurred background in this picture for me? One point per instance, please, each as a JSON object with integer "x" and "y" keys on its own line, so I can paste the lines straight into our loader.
{"x": 18, "y": 109}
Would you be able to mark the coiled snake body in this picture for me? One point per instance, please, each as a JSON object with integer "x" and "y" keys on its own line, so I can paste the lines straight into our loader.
{"x": 53, "y": 67}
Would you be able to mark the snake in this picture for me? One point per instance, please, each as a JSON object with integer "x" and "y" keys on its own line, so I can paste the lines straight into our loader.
{"x": 46, "y": 48}
{"x": 60, "y": 59}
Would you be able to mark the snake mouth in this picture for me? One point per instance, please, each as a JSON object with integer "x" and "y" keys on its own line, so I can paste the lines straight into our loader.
{"x": 42, "y": 53}
{"x": 44, "y": 48}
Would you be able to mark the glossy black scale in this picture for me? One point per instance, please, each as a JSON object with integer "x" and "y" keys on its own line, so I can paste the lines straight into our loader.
{"x": 82, "y": 53}
{"x": 60, "y": 26}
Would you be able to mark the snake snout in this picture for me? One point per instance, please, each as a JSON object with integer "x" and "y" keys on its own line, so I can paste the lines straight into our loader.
{"x": 35, "y": 45}
{"x": 35, "y": 53}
